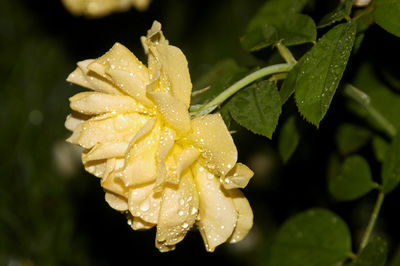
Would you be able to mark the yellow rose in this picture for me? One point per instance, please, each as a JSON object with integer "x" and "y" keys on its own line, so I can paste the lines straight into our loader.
{"x": 156, "y": 164}
{"x": 100, "y": 8}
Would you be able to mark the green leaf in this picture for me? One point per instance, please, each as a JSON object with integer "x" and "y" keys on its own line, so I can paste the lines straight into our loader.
{"x": 363, "y": 23}
{"x": 341, "y": 12}
{"x": 386, "y": 15}
{"x": 350, "y": 138}
{"x": 391, "y": 166}
{"x": 218, "y": 78}
{"x": 224, "y": 111}
{"x": 289, "y": 84}
{"x": 382, "y": 98}
{"x": 313, "y": 238}
{"x": 257, "y": 108}
{"x": 321, "y": 70}
{"x": 353, "y": 181}
{"x": 288, "y": 139}
{"x": 380, "y": 147}
{"x": 374, "y": 254}
{"x": 278, "y": 20}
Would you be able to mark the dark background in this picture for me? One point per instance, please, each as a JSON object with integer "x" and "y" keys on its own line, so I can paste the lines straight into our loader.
{"x": 53, "y": 213}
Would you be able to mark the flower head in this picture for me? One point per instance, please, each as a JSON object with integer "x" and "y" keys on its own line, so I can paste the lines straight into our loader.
{"x": 100, "y": 8}
{"x": 156, "y": 164}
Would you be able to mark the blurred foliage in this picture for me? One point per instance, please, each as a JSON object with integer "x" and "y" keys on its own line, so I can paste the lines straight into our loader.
{"x": 53, "y": 213}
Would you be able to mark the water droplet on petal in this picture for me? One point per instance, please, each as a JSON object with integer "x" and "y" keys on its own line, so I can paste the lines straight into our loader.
{"x": 145, "y": 205}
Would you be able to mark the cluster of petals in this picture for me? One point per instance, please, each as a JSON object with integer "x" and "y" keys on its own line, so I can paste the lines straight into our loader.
{"x": 100, "y": 8}
{"x": 156, "y": 164}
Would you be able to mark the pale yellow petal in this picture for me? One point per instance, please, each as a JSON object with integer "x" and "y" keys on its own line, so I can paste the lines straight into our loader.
{"x": 116, "y": 202}
{"x": 210, "y": 134}
{"x": 154, "y": 35}
{"x": 91, "y": 103}
{"x": 119, "y": 128}
{"x": 100, "y": 8}
{"x": 183, "y": 160}
{"x": 174, "y": 65}
{"x": 74, "y": 119}
{"x": 144, "y": 202}
{"x": 237, "y": 177}
{"x": 76, "y": 7}
{"x": 245, "y": 215}
{"x": 141, "y": 5}
{"x": 138, "y": 224}
{"x": 164, "y": 248}
{"x": 173, "y": 111}
{"x": 172, "y": 61}
{"x": 120, "y": 58}
{"x": 102, "y": 168}
{"x": 79, "y": 78}
{"x": 165, "y": 144}
{"x": 217, "y": 212}
{"x": 171, "y": 163}
{"x": 97, "y": 82}
{"x": 113, "y": 184}
{"x": 132, "y": 84}
{"x": 179, "y": 208}
{"x": 106, "y": 150}
{"x": 140, "y": 164}
{"x": 97, "y": 168}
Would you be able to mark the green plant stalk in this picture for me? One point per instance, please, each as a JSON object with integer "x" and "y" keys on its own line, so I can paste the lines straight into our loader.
{"x": 269, "y": 70}
{"x": 372, "y": 221}
{"x": 364, "y": 100}
{"x": 285, "y": 53}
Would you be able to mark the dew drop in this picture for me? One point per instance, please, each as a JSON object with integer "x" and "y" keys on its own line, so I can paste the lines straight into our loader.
{"x": 185, "y": 225}
{"x": 145, "y": 205}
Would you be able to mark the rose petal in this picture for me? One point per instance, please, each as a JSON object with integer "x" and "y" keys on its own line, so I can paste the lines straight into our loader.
{"x": 237, "y": 177}
{"x": 79, "y": 78}
{"x": 119, "y": 128}
{"x": 166, "y": 142}
{"x": 131, "y": 84}
{"x": 144, "y": 202}
{"x": 120, "y": 58}
{"x": 174, "y": 65}
{"x": 97, "y": 82}
{"x": 210, "y": 134}
{"x": 113, "y": 184}
{"x": 116, "y": 202}
{"x": 138, "y": 224}
{"x": 174, "y": 111}
{"x": 183, "y": 160}
{"x": 91, "y": 103}
{"x": 106, "y": 150}
{"x": 75, "y": 119}
{"x": 245, "y": 216}
{"x": 140, "y": 163}
{"x": 179, "y": 207}
{"x": 217, "y": 212}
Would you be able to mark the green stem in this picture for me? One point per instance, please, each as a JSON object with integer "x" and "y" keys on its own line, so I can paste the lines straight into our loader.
{"x": 364, "y": 100}
{"x": 352, "y": 256}
{"x": 279, "y": 68}
{"x": 364, "y": 12}
{"x": 372, "y": 221}
{"x": 285, "y": 53}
